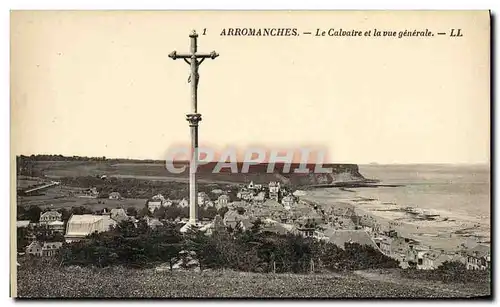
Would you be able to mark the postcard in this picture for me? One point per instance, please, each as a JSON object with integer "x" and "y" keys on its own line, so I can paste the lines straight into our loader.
{"x": 250, "y": 154}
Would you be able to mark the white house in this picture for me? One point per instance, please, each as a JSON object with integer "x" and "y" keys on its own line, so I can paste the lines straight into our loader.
{"x": 154, "y": 205}
{"x": 288, "y": 202}
{"x": 183, "y": 203}
{"x": 167, "y": 203}
{"x": 202, "y": 198}
{"x": 56, "y": 226}
{"x": 222, "y": 200}
{"x": 43, "y": 249}
{"x": 478, "y": 258}
{"x": 115, "y": 195}
{"x": 80, "y": 226}
{"x": 22, "y": 224}
{"x": 50, "y": 216}
{"x": 159, "y": 197}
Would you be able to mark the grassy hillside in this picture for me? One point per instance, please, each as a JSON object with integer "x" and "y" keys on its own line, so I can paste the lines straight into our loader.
{"x": 157, "y": 171}
{"x": 62, "y": 282}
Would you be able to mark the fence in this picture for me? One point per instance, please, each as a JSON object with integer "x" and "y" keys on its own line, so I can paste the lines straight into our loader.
{"x": 311, "y": 266}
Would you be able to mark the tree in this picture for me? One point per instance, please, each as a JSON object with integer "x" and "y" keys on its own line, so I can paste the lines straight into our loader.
{"x": 172, "y": 212}
{"x": 170, "y": 242}
{"x": 144, "y": 212}
{"x": 256, "y": 226}
{"x": 22, "y": 238}
{"x": 132, "y": 211}
{"x": 65, "y": 214}
{"x": 205, "y": 249}
{"x": 44, "y": 234}
{"x": 159, "y": 213}
{"x": 81, "y": 210}
{"x": 33, "y": 213}
{"x": 452, "y": 266}
{"x": 222, "y": 211}
{"x": 208, "y": 213}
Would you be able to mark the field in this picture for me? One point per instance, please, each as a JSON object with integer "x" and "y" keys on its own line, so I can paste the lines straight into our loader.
{"x": 60, "y": 282}
{"x": 69, "y": 202}
{"x": 62, "y": 197}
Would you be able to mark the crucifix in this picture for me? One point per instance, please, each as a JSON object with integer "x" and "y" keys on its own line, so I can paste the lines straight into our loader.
{"x": 194, "y": 59}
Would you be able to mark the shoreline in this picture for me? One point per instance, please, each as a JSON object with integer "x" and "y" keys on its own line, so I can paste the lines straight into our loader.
{"x": 424, "y": 226}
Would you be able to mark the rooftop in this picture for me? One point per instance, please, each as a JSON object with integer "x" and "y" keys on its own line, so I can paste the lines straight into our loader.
{"x": 341, "y": 237}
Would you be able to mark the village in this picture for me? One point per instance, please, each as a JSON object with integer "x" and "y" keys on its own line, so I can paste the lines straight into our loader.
{"x": 279, "y": 209}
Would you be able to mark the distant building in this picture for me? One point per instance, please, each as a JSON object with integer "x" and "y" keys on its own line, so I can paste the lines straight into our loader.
{"x": 478, "y": 258}
{"x": 203, "y": 198}
{"x": 256, "y": 187}
{"x": 232, "y": 218}
{"x": 89, "y": 193}
{"x": 260, "y": 197}
{"x": 50, "y": 216}
{"x": 217, "y": 225}
{"x": 307, "y": 232}
{"x": 158, "y": 197}
{"x": 183, "y": 203}
{"x": 433, "y": 259}
{"x": 341, "y": 222}
{"x": 217, "y": 191}
{"x": 153, "y": 223}
{"x": 384, "y": 244}
{"x": 274, "y": 190}
{"x": 250, "y": 185}
{"x": 22, "y": 224}
{"x": 245, "y": 224}
{"x": 343, "y": 237}
{"x": 311, "y": 217}
{"x": 245, "y": 194}
{"x": 222, "y": 200}
{"x": 43, "y": 249}
{"x": 154, "y": 205}
{"x": 298, "y": 193}
{"x": 270, "y": 208}
{"x": 56, "y": 226}
{"x": 119, "y": 215}
{"x": 276, "y": 228}
{"x": 80, "y": 226}
{"x": 415, "y": 256}
{"x": 115, "y": 195}
{"x": 288, "y": 202}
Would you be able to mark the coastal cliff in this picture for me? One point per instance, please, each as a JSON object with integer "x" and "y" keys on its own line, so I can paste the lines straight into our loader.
{"x": 55, "y": 166}
{"x": 341, "y": 173}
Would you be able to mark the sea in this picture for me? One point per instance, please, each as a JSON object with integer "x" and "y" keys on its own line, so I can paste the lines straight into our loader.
{"x": 442, "y": 205}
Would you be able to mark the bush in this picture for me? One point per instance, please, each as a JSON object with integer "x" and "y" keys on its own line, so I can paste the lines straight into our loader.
{"x": 449, "y": 272}
{"x": 252, "y": 250}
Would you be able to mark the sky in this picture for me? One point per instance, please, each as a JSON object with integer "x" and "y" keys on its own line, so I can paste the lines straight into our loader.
{"x": 100, "y": 83}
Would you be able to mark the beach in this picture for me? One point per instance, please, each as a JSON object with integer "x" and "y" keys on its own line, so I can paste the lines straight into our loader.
{"x": 441, "y": 206}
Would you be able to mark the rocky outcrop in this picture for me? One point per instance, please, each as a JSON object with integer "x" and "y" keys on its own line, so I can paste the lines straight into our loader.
{"x": 340, "y": 173}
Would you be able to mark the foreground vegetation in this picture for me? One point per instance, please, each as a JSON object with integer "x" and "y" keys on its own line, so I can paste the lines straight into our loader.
{"x": 119, "y": 282}
{"x": 253, "y": 250}
{"x": 130, "y": 261}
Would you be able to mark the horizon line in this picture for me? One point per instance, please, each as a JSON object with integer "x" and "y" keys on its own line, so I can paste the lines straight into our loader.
{"x": 488, "y": 163}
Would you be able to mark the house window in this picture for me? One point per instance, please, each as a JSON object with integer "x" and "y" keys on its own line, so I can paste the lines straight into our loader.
{"x": 420, "y": 261}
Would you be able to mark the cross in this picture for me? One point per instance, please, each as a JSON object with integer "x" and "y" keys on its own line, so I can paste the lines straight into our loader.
{"x": 194, "y": 59}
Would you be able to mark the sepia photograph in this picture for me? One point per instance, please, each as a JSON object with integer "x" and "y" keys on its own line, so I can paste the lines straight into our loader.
{"x": 250, "y": 154}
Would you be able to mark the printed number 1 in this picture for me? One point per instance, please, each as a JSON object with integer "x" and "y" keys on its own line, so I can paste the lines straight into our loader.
{"x": 204, "y": 31}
